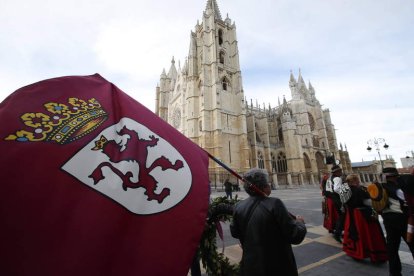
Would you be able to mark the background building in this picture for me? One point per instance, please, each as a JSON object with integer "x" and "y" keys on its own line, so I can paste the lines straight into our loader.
{"x": 369, "y": 171}
{"x": 204, "y": 99}
{"x": 407, "y": 162}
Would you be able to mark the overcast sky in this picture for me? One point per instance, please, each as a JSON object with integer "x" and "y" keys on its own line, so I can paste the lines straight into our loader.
{"x": 358, "y": 54}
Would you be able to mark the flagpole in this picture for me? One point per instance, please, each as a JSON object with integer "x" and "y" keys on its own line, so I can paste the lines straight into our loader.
{"x": 251, "y": 185}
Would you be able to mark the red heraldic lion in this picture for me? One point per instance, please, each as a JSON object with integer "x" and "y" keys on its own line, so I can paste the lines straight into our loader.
{"x": 93, "y": 183}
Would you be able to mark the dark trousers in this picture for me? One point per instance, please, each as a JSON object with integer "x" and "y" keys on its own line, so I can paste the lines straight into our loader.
{"x": 339, "y": 226}
{"x": 396, "y": 226}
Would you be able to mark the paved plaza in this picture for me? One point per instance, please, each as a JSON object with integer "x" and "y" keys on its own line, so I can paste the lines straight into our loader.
{"x": 319, "y": 254}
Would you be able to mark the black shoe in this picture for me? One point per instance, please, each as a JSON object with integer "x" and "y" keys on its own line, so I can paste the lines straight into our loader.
{"x": 338, "y": 238}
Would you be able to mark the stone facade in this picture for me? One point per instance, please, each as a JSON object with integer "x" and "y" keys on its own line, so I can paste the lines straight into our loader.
{"x": 370, "y": 171}
{"x": 205, "y": 101}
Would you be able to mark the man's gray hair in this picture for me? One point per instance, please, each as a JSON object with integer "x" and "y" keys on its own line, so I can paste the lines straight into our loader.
{"x": 257, "y": 177}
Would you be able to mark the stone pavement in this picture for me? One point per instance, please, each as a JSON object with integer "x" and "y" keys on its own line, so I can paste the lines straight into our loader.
{"x": 319, "y": 254}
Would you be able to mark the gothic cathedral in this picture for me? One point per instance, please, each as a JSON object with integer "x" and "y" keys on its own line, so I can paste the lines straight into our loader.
{"x": 205, "y": 101}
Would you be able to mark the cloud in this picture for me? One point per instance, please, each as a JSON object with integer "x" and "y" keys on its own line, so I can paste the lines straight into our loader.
{"x": 358, "y": 55}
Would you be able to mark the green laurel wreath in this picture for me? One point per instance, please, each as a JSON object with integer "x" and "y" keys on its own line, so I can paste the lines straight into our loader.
{"x": 216, "y": 263}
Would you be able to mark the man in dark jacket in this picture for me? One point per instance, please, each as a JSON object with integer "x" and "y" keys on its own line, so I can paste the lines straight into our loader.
{"x": 395, "y": 219}
{"x": 266, "y": 230}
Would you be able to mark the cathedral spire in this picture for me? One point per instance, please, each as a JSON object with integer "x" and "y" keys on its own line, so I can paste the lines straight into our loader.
{"x": 212, "y": 5}
{"x": 292, "y": 78}
{"x": 185, "y": 67}
{"x": 300, "y": 79}
{"x": 172, "y": 73}
{"x": 227, "y": 20}
{"x": 310, "y": 86}
{"x": 193, "y": 46}
{"x": 163, "y": 74}
{"x": 311, "y": 89}
{"x": 285, "y": 109}
{"x": 192, "y": 55}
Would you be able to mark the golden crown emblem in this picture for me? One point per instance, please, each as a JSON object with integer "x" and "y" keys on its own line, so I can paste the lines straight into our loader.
{"x": 65, "y": 123}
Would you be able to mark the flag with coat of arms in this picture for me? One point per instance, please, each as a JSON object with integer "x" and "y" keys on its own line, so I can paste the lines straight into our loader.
{"x": 94, "y": 183}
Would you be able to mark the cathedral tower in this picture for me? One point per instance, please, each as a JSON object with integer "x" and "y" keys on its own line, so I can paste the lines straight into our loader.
{"x": 205, "y": 99}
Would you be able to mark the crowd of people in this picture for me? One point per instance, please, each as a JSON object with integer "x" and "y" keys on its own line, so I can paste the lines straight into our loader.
{"x": 266, "y": 230}
{"x": 350, "y": 217}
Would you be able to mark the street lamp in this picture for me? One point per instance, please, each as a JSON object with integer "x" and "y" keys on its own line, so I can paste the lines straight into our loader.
{"x": 377, "y": 142}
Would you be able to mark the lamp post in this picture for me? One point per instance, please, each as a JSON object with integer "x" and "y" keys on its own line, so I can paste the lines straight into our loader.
{"x": 377, "y": 143}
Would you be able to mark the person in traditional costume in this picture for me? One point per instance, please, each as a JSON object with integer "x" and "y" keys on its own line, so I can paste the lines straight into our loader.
{"x": 329, "y": 211}
{"x": 334, "y": 214}
{"x": 363, "y": 235}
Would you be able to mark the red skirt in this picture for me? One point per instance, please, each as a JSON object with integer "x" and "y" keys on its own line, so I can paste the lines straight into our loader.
{"x": 330, "y": 214}
{"x": 363, "y": 237}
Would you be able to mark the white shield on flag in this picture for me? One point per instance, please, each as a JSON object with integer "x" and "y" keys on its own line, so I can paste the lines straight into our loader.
{"x": 166, "y": 176}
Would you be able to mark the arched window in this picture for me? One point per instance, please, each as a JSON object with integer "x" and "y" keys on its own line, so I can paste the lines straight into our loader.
{"x": 311, "y": 122}
{"x": 200, "y": 125}
{"x": 281, "y": 162}
{"x": 274, "y": 166}
{"x": 225, "y": 83}
{"x": 280, "y": 134}
{"x": 260, "y": 161}
{"x": 258, "y": 138}
{"x": 200, "y": 88}
{"x": 221, "y": 56}
{"x": 307, "y": 162}
{"x": 315, "y": 141}
{"x": 220, "y": 36}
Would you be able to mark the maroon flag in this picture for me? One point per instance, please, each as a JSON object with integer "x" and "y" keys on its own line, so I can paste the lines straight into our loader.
{"x": 93, "y": 183}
